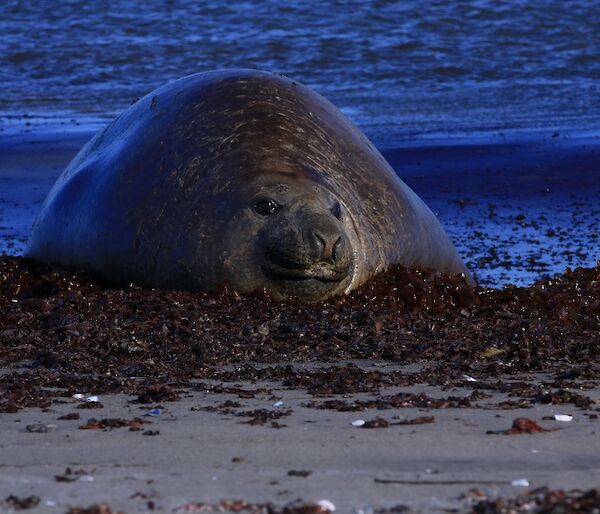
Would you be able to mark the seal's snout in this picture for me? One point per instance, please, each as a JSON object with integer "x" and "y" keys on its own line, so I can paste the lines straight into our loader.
{"x": 328, "y": 244}
{"x": 308, "y": 244}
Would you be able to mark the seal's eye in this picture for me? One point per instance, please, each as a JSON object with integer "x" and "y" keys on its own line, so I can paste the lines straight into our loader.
{"x": 336, "y": 210}
{"x": 266, "y": 207}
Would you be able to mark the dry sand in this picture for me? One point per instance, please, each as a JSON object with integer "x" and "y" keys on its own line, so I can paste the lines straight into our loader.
{"x": 201, "y": 456}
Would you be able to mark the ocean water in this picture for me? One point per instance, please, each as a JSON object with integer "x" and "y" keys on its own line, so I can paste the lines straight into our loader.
{"x": 399, "y": 70}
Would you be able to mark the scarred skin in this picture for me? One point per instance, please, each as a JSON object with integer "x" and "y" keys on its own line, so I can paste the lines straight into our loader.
{"x": 236, "y": 177}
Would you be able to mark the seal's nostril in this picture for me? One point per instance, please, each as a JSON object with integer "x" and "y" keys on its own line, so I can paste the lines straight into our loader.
{"x": 320, "y": 244}
{"x": 328, "y": 246}
{"x": 338, "y": 247}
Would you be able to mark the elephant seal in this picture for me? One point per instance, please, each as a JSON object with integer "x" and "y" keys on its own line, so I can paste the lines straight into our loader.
{"x": 238, "y": 177}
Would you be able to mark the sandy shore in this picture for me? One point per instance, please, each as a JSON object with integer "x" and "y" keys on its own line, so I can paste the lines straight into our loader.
{"x": 468, "y": 418}
{"x": 204, "y": 456}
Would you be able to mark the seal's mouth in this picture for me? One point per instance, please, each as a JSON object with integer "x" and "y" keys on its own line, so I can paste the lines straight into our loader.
{"x": 320, "y": 272}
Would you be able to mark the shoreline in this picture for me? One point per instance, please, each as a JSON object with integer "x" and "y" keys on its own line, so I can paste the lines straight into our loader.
{"x": 518, "y": 206}
{"x": 23, "y": 125}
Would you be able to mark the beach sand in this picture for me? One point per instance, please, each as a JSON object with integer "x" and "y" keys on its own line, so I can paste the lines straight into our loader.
{"x": 201, "y": 456}
{"x": 517, "y": 208}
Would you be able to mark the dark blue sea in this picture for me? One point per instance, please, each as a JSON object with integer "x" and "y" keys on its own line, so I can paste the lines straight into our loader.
{"x": 398, "y": 69}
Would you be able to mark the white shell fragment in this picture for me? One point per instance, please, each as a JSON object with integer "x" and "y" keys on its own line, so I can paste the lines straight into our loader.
{"x": 327, "y": 505}
{"x": 78, "y": 396}
{"x": 358, "y": 422}
{"x": 92, "y": 399}
{"x": 520, "y": 482}
{"x": 563, "y": 417}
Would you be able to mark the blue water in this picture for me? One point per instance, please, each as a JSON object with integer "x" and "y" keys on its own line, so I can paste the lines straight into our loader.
{"x": 399, "y": 69}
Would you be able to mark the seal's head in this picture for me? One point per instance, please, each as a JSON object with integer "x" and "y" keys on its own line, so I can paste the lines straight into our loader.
{"x": 293, "y": 239}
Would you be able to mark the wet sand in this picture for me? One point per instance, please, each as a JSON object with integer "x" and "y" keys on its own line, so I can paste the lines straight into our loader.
{"x": 29, "y": 165}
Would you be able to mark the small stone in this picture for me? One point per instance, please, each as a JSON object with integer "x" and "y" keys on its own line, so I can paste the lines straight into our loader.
{"x": 41, "y": 428}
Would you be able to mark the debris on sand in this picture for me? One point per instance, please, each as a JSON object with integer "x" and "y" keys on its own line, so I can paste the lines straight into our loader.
{"x": 74, "y": 475}
{"x": 539, "y": 501}
{"x": 67, "y": 335}
{"x": 101, "y": 508}
{"x": 111, "y": 423}
{"x": 41, "y": 428}
{"x": 297, "y": 507}
{"x": 156, "y": 393}
{"x": 15, "y": 503}
{"x": 299, "y": 473}
{"x": 523, "y": 426}
{"x": 376, "y": 423}
{"x": 78, "y": 335}
{"x": 70, "y": 416}
{"x": 565, "y": 418}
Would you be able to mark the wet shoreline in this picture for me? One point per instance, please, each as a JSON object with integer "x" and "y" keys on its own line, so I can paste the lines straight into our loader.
{"x": 518, "y": 206}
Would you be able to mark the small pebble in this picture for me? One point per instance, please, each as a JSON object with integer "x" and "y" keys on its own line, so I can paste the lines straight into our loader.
{"x": 40, "y": 428}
